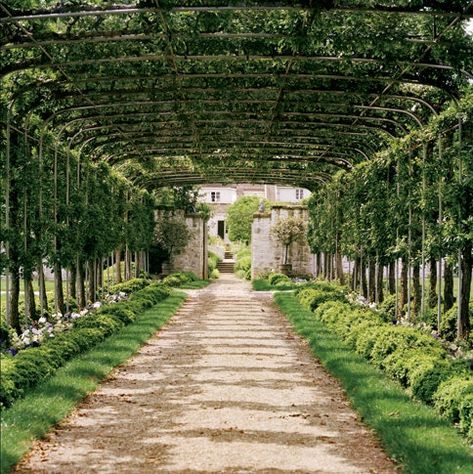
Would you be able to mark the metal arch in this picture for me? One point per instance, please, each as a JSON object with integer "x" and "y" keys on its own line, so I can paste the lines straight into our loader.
{"x": 158, "y": 102}
{"x": 245, "y": 58}
{"x": 287, "y": 157}
{"x": 144, "y": 114}
{"x": 272, "y": 144}
{"x": 325, "y": 137}
{"x": 97, "y": 11}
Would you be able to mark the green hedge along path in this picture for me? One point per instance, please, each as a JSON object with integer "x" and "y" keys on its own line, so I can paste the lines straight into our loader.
{"x": 47, "y": 404}
{"x": 225, "y": 387}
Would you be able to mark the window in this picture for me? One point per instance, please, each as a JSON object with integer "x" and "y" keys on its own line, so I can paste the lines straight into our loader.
{"x": 215, "y": 196}
{"x": 299, "y": 193}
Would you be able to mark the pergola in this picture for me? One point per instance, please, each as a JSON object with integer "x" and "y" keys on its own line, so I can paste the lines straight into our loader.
{"x": 190, "y": 92}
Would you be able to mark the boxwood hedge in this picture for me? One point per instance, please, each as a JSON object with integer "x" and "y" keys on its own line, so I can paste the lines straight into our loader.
{"x": 33, "y": 365}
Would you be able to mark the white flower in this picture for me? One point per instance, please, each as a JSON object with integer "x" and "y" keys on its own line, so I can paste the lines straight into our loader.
{"x": 42, "y": 320}
{"x": 26, "y": 341}
{"x": 84, "y": 312}
{"x": 75, "y": 315}
{"x": 97, "y": 305}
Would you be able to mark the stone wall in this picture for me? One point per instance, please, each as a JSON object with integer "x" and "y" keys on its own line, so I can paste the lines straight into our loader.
{"x": 267, "y": 253}
{"x": 194, "y": 257}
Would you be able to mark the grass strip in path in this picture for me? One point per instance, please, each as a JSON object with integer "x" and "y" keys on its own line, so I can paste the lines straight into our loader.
{"x": 32, "y": 417}
{"x": 412, "y": 433}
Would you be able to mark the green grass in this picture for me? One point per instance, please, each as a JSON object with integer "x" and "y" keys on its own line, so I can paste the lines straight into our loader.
{"x": 195, "y": 285}
{"x": 32, "y": 417}
{"x": 412, "y": 433}
{"x": 264, "y": 285}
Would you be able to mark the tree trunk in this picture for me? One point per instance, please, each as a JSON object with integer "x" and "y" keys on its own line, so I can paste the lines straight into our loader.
{"x": 30, "y": 303}
{"x": 339, "y": 266}
{"x": 404, "y": 283}
{"x": 463, "y": 329}
{"x": 43, "y": 297}
{"x": 417, "y": 289}
{"x": 364, "y": 281}
{"x": 72, "y": 282}
{"x": 392, "y": 278}
{"x": 99, "y": 273}
{"x": 92, "y": 280}
{"x": 118, "y": 264}
{"x": 318, "y": 263}
{"x": 137, "y": 264}
{"x": 58, "y": 291}
{"x": 372, "y": 279}
{"x": 448, "y": 297}
{"x": 127, "y": 264}
{"x": 14, "y": 320}
{"x": 354, "y": 274}
{"x": 326, "y": 270}
{"x": 81, "y": 297}
{"x": 433, "y": 297}
{"x": 380, "y": 278}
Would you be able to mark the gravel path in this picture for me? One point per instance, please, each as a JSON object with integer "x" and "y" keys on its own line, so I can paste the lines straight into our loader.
{"x": 225, "y": 387}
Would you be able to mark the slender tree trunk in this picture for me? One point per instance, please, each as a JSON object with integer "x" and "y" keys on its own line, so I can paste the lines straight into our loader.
{"x": 118, "y": 266}
{"x": 364, "y": 281}
{"x": 392, "y": 278}
{"x": 81, "y": 297}
{"x": 326, "y": 269}
{"x": 417, "y": 289}
{"x": 58, "y": 290}
{"x": 433, "y": 283}
{"x": 318, "y": 262}
{"x": 404, "y": 283}
{"x": 99, "y": 273}
{"x": 372, "y": 279}
{"x": 448, "y": 296}
{"x": 137, "y": 264}
{"x": 463, "y": 329}
{"x": 72, "y": 282}
{"x": 14, "y": 296}
{"x": 30, "y": 303}
{"x": 127, "y": 264}
{"x": 43, "y": 297}
{"x": 354, "y": 274}
{"x": 92, "y": 280}
{"x": 339, "y": 263}
{"x": 380, "y": 278}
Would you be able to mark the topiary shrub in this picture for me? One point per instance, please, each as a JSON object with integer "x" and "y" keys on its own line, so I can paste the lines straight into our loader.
{"x": 388, "y": 308}
{"x": 450, "y": 394}
{"x": 311, "y": 298}
{"x": 427, "y": 375}
{"x": 130, "y": 286}
{"x": 466, "y": 416}
{"x": 398, "y": 337}
{"x": 275, "y": 278}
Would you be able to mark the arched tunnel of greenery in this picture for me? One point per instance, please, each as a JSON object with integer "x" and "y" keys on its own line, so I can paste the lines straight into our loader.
{"x": 367, "y": 103}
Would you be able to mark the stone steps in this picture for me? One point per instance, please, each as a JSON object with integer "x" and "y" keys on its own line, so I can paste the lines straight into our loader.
{"x": 226, "y": 267}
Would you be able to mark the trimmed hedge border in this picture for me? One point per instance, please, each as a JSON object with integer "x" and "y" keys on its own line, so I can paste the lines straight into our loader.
{"x": 414, "y": 359}
{"x": 413, "y": 433}
{"x": 34, "y": 365}
{"x": 31, "y": 417}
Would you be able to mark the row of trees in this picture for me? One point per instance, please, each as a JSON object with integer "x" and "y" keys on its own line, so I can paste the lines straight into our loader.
{"x": 68, "y": 213}
{"x": 411, "y": 205}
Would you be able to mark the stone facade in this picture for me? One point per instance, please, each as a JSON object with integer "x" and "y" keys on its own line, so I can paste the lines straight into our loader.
{"x": 194, "y": 258}
{"x": 267, "y": 253}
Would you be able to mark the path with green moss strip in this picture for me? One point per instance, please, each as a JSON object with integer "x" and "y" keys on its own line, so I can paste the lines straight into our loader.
{"x": 226, "y": 386}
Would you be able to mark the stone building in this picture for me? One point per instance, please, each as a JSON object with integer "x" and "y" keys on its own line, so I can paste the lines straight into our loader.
{"x": 267, "y": 253}
{"x": 220, "y": 197}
